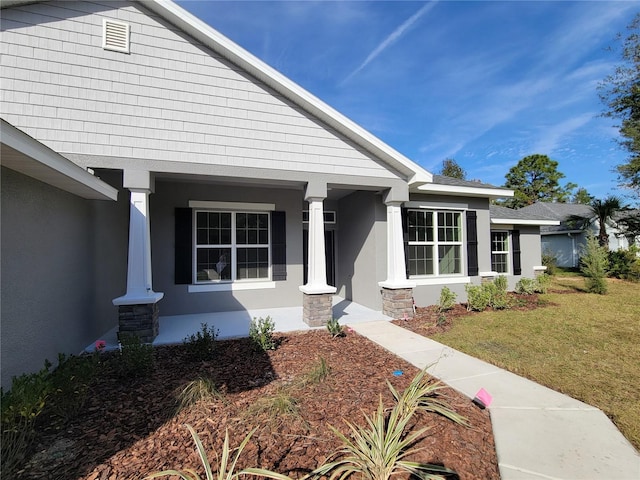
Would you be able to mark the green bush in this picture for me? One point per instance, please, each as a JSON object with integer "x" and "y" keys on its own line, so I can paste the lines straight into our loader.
{"x": 526, "y": 286}
{"x": 542, "y": 283}
{"x": 550, "y": 261}
{"x": 621, "y": 263}
{"x": 261, "y": 333}
{"x": 202, "y": 344}
{"x": 447, "y": 300}
{"x": 478, "y": 297}
{"x": 498, "y": 289}
{"x": 19, "y": 408}
{"x": 594, "y": 264}
{"x": 71, "y": 381}
{"x": 136, "y": 358}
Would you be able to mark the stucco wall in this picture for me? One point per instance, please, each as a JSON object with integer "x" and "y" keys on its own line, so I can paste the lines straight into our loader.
{"x": 170, "y": 100}
{"x": 47, "y": 274}
{"x": 177, "y": 300}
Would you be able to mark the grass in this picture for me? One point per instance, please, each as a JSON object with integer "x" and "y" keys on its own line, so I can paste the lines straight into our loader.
{"x": 584, "y": 345}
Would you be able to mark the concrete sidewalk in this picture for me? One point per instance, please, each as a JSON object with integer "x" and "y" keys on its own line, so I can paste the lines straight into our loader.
{"x": 539, "y": 433}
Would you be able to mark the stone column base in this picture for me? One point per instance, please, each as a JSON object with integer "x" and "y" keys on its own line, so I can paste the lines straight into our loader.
{"x": 139, "y": 320}
{"x": 317, "y": 308}
{"x": 397, "y": 303}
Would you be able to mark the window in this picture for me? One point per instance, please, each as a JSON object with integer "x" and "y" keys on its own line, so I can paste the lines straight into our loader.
{"x": 435, "y": 242}
{"x": 500, "y": 252}
{"x": 232, "y": 246}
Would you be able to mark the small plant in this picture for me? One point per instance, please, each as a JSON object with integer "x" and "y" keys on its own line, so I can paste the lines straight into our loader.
{"x": 136, "y": 358}
{"x": 478, "y": 297}
{"x": 278, "y": 406}
{"x": 542, "y": 283}
{"x": 550, "y": 261}
{"x": 201, "y": 389}
{"x": 593, "y": 265}
{"x": 226, "y": 465}
{"x": 447, "y": 300}
{"x": 201, "y": 345}
{"x": 334, "y": 327}
{"x": 498, "y": 293}
{"x": 318, "y": 373}
{"x": 442, "y": 319}
{"x": 261, "y": 333}
{"x": 526, "y": 286}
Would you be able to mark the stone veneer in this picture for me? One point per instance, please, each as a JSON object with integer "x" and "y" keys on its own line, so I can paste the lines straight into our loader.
{"x": 397, "y": 303}
{"x": 317, "y": 308}
{"x": 140, "y": 320}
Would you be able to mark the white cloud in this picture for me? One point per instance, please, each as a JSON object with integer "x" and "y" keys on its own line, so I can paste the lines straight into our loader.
{"x": 552, "y": 136}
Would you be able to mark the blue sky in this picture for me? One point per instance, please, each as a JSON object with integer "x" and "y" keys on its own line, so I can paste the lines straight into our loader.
{"x": 483, "y": 82}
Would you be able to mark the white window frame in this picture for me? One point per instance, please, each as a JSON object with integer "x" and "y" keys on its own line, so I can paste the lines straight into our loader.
{"x": 507, "y": 252}
{"x": 436, "y": 243}
{"x": 233, "y": 246}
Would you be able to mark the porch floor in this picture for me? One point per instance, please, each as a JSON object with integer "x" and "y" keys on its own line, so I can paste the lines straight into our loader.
{"x": 174, "y": 329}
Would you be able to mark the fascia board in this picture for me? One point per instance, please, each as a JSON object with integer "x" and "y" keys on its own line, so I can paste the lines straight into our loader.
{"x": 40, "y": 162}
{"x": 466, "y": 191}
{"x": 519, "y": 221}
{"x": 274, "y": 79}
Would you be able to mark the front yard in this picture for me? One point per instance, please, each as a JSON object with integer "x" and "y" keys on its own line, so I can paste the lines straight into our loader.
{"x": 584, "y": 345}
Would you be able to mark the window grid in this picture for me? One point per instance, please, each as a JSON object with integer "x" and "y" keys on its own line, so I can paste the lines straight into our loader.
{"x": 431, "y": 254}
{"x": 232, "y": 246}
{"x": 500, "y": 252}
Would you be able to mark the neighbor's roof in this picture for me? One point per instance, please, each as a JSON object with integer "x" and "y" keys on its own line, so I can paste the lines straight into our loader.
{"x": 504, "y": 215}
{"x": 561, "y": 212}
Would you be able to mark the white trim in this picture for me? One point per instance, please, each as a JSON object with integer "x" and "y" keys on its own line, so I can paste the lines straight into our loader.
{"x": 417, "y": 205}
{"x": 541, "y": 268}
{"x": 230, "y": 286}
{"x": 514, "y": 221}
{"x": 440, "y": 280}
{"x": 467, "y": 191}
{"x": 250, "y": 207}
{"x": 507, "y": 253}
{"x": 33, "y": 159}
{"x": 488, "y": 274}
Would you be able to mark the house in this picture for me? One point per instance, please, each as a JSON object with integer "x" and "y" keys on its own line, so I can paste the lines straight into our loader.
{"x": 160, "y": 169}
{"x": 565, "y": 240}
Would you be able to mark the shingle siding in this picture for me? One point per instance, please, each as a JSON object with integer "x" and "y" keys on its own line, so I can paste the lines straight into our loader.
{"x": 169, "y": 99}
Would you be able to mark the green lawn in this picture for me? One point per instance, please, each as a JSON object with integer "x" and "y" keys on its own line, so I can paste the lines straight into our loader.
{"x": 581, "y": 344}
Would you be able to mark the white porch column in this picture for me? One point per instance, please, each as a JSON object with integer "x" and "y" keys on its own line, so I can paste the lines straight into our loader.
{"x": 396, "y": 269}
{"x": 139, "y": 288}
{"x": 317, "y": 269}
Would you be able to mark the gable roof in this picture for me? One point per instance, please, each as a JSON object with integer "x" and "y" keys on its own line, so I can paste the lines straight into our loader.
{"x": 558, "y": 211}
{"x": 504, "y": 215}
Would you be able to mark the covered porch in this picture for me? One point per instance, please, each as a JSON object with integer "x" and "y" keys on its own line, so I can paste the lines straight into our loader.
{"x": 234, "y": 324}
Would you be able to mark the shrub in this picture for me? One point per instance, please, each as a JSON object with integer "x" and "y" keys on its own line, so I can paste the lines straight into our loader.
{"x": 621, "y": 263}
{"x": 593, "y": 265}
{"x": 478, "y": 297}
{"x": 261, "y": 333}
{"x": 542, "y": 283}
{"x": 550, "y": 261}
{"x": 202, "y": 344}
{"x": 498, "y": 290}
{"x": 447, "y": 300}
{"x": 526, "y": 286}
{"x": 19, "y": 408}
{"x": 334, "y": 327}
{"x": 136, "y": 358}
{"x": 71, "y": 382}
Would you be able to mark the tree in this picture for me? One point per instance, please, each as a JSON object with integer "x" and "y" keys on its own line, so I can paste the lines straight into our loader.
{"x": 450, "y": 168}
{"x": 594, "y": 263}
{"x": 604, "y": 211}
{"x": 536, "y": 179}
{"x": 620, "y": 92}
{"x": 582, "y": 196}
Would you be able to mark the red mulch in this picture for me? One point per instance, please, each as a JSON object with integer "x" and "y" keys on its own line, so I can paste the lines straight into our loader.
{"x": 129, "y": 428}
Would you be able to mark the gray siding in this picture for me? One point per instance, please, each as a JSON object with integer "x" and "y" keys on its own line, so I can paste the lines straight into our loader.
{"x": 170, "y": 99}
{"x": 47, "y": 290}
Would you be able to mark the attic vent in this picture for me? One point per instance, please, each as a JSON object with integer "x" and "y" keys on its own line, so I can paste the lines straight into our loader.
{"x": 115, "y": 36}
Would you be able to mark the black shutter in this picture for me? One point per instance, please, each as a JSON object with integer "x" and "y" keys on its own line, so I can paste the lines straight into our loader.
{"x": 515, "y": 243}
{"x": 278, "y": 246}
{"x": 472, "y": 243}
{"x": 183, "y": 246}
{"x": 405, "y": 236}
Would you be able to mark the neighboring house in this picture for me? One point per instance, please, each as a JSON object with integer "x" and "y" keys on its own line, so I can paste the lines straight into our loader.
{"x": 237, "y": 189}
{"x": 565, "y": 241}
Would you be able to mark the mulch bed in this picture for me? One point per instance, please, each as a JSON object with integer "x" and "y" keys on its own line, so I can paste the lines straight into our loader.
{"x": 129, "y": 428}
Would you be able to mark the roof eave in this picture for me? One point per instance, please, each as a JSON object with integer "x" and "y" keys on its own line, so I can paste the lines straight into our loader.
{"x": 289, "y": 89}
{"x": 24, "y": 154}
{"x": 485, "y": 192}
{"x": 520, "y": 221}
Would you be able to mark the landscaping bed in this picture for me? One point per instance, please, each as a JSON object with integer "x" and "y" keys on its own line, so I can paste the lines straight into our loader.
{"x": 129, "y": 427}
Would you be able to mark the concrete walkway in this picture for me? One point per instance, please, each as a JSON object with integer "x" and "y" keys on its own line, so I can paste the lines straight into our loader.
{"x": 539, "y": 433}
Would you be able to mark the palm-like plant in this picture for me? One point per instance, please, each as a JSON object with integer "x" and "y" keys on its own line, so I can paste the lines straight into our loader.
{"x": 604, "y": 211}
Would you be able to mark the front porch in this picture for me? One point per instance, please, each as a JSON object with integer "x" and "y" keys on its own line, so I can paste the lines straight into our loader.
{"x": 174, "y": 329}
